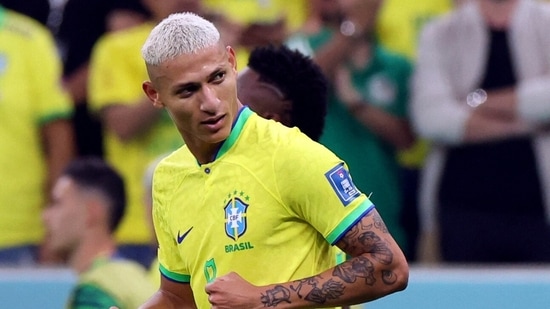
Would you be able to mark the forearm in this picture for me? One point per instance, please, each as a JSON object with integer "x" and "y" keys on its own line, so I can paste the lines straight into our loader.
{"x": 358, "y": 280}
{"x": 481, "y": 128}
{"x": 501, "y": 104}
{"x": 128, "y": 121}
{"x": 378, "y": 268}
{"x": 76, "y": 84}
{"x": 59, "y": 148}
{"x": 392, "y": 129}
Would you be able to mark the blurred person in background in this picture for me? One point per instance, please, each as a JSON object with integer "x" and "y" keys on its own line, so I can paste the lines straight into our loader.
{"x": 259, "y": 22}
{"x": 82, "y": 23}
{"x": 88, "y": 203}
{"x": 367, "y": 122}
{"x": 398, "y": 27}
{"x": 285, "y": 85}
{"x": 135, "y": 132}
{"x": 480, "y": 96}
{"x": 36, "y": 133}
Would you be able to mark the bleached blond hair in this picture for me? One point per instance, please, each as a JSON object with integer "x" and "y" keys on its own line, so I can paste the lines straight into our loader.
{"x": 178, "y": 34}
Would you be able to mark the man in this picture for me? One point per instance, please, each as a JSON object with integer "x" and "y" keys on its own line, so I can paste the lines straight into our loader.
{"x": 35, "y": 130}
{"x": 486, "y": 112}
{"x": 285, "y": 86}
{"x": 134, "y": 132}
{"x": 237, "y": 209}
{"x": 278, "y": 84}
{"x": 88, "y": 203}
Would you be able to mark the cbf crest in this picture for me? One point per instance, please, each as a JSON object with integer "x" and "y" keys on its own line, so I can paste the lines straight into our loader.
{"x": 235, "y": 215}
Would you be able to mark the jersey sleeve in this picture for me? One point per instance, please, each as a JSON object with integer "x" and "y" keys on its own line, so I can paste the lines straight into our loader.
{"x": 317, "y": 186}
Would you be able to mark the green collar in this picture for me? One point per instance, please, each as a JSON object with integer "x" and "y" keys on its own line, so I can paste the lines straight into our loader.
{"x": 243, "y": 116}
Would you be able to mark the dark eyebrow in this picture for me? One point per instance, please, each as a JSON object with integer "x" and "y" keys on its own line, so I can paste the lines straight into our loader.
{"x": 186, "y": 86}
{"x": 216, "y": 72}
{"x": 191, "y": 86}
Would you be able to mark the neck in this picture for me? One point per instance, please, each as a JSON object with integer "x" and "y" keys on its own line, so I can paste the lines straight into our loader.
{"x": 497, "y": 13}
{"x": 89, "y": 250}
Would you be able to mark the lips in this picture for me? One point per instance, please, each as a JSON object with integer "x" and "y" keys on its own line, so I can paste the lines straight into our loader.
{"x": 213, "y": 123}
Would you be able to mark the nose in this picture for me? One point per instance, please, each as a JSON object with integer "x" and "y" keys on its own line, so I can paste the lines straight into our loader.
{"x": 210, "y": 101}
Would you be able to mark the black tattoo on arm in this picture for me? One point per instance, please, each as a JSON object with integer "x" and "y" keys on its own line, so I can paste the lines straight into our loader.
{"x": 388, "y": 277}
{"x": 309, "y": 289}
{"x": 379, "y": 224}
{"x": 275, "y": 296}
{"x": 359, "y": 267}
{"x": 379, "y": 250}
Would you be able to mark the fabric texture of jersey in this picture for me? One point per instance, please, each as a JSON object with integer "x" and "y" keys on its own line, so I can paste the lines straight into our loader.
{"x": 268, "y": 207}
{"x": 112, "y": 282}
{"x": 117, "y": 71}
{"x": 30, "y": 97}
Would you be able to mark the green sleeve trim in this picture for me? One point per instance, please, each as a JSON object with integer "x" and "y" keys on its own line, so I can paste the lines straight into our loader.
{"x": 174, "y": 276}
{"x": 88, "y": 296}
{"x": 55, "y": 116}
{"x": 350, "y": 220}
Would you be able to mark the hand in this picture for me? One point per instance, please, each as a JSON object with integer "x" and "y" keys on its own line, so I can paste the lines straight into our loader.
{"x": 345, "y": 90}
{"x": 232, "y": 291}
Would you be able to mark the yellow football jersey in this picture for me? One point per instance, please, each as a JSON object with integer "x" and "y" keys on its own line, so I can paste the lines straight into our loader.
{"x": 268, "y": 208}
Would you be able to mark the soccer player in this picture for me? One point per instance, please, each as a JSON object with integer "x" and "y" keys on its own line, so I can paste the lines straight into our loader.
{"x": 246, "y": 212}
{"x": 286, "y": 86}
{"x": 88, "y": 202}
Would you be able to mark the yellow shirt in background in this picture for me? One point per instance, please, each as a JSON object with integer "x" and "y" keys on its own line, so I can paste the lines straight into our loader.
{"x": 30, "y": 96}
{"x": 398, "y": 28}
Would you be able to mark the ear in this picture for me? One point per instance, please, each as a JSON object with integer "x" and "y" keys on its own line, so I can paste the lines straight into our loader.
{"x": 152, "y": 93}
{"x": 232, "y": 57}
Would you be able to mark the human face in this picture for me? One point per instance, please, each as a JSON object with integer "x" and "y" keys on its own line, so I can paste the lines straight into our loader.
{"x": 199, "y": 92}
{"x": 265, "y": 99}
{"x": 65, "y": 217}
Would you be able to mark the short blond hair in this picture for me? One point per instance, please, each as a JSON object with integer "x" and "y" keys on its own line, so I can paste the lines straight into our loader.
{"x": 178, "y": 34}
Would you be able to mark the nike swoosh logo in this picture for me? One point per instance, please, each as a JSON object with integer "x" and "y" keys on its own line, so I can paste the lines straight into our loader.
{"x": 181, "y": 237}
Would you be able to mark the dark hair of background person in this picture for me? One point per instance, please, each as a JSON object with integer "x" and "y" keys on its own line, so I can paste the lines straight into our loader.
{"x": 36, "y": 9}
{"x": 301, "y": 81}
{"x": 92, "y": 173}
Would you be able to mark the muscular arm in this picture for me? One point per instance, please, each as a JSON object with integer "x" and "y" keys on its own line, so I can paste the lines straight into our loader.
{"x": 171, "y": 295}
{"x": 394, "y": 130}
{"x": 377, "y": 268}
{"x": 390, "y": 128}
{"x": 128, "y": 121}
